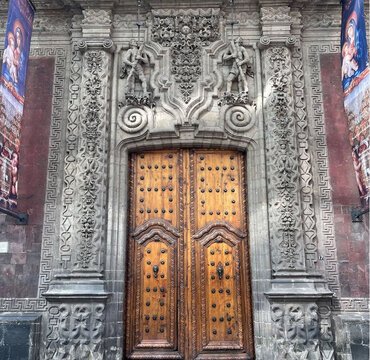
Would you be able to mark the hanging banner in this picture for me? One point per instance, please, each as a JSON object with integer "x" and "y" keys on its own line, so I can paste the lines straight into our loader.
{"x": 356, "y": 89}
{"x": 12, "y": 93}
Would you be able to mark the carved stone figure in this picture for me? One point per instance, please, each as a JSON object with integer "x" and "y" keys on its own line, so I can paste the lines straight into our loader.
{"x": 241, "y": 66}
{"x": 132, "y": 67}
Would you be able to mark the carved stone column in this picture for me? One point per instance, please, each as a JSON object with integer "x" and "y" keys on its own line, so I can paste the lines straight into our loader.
{"x": 77, "y": 294}
{"x": 297, "y": 292}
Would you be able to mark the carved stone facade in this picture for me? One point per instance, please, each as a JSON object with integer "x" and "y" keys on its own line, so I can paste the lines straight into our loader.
{"x": 186, "y": 86}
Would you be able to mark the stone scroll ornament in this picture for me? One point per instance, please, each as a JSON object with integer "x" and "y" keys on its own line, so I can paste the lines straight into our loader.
{"x": 186, "y": 35}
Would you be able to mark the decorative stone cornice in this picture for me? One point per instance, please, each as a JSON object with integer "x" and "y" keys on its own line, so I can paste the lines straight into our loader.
{"x": 95, "y": 4}
{"x": 96, "y": 23}
{"x": 321, "y": 20}
{"x": 276, "y": 24}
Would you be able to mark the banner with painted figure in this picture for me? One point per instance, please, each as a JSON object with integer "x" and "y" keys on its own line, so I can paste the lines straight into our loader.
{"x": 356, "y": 89}
{"x": 12, "y": 93}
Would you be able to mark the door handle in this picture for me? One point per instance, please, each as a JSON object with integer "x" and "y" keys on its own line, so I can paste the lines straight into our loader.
{"x": 155, "y": 270}
{"x": 220, "y": 270}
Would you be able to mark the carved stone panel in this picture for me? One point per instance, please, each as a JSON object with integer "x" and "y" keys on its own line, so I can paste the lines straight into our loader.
{"x": 296, "y": 330}
{"x": 92, "y": 158}
{"x": 75, "y": 331}
{"x": 186, "y": 35}
{"x": 282, "y": 164}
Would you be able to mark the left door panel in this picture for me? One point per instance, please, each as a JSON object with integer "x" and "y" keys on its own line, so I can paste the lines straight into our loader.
{"x": 154, "y": 272}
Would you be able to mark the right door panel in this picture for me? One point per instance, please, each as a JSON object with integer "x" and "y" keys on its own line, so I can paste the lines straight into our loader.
{"x": 221, "y": 301}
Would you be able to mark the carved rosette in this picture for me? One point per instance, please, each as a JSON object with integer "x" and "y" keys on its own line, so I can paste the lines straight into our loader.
{"x": 296, "y": 330}
{"x": 92, "y": 159}
{"x": 75, "y": 331}
{"x": 282, "y": 163}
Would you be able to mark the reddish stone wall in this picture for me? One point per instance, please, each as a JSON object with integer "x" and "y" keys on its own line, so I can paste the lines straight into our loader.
{"x": 19, "y": 268}
{"x": 352, "y": 239}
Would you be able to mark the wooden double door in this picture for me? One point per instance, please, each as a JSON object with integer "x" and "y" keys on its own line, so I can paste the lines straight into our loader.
{"x": 188, "y": 285}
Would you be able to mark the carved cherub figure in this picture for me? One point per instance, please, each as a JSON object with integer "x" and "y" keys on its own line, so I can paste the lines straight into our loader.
{"x": 132, "y": 66}
{"x": 240, "y": 67}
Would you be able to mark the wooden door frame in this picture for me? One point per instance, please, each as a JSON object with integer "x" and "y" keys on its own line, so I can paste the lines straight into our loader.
{"x": 118, "y": 205}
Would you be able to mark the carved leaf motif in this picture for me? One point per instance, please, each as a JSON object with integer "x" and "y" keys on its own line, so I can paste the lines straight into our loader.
{"x": 185, "y": 35}
{"x": 79, "y": 329}
{"x": 295, "y": 331}
{"x": 284, "y": 200}
{"x": 96, "y": 17}
{"x": 91, "y": 156}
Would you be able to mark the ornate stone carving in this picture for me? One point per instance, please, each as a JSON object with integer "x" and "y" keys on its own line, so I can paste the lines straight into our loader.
{"x": 96, "y": 23}
{"x": 132, "y": 66}
{"x": 326, "y": 335}
{"x": 295, "y": 331}
{"x": 354, "y": 304}
{"x": 186, "y": 35}
{"x": 282, "y": 165}
{"x": 67, "y": 232}
{"x": 96, "y": 17}
{"x": 239, "y": 118}
{"x": 132, "y": 119}
{"x": 247, "y": 18}
{"x": 75, "y": 331}
{"x": 234, "y": 99}
{"x": 52, "y": 24}
{"x": 275, "y": 14}
{"x": 324, "y": 20}
{"x": 92, "y": 159}
{"x": 131, "y": 69}
{"x": 305, "y": 167}
{"x": 276, "y": 22}
{"x": 124, "y": 21}
{"x": 145, "y": 100}
{"x": 241, "y": 66}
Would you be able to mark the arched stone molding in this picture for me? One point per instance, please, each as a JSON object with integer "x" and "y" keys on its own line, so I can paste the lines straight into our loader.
{"x": 179, "y": 135}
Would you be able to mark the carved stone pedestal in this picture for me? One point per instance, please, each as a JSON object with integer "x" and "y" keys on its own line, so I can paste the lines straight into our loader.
{"x": 301, "y": 319}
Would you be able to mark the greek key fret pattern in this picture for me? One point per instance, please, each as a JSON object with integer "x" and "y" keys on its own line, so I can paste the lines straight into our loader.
{"x": 51, "y": 223}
